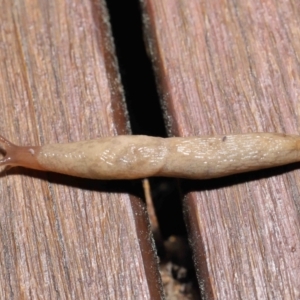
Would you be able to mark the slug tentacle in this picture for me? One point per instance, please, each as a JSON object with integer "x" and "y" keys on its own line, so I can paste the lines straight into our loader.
{"x": 4, "y": 161}
{"x": 5, "y": 142}
{"x": 6, "y": 148}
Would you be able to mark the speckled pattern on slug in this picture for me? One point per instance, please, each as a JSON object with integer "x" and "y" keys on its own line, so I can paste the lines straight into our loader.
{"x": 214, "y": 156}
{"x": 128, "y": 157}
{"x": 122, "y": 157}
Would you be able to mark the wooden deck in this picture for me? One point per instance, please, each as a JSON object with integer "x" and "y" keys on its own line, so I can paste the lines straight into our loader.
{"x": 221, "y": 67}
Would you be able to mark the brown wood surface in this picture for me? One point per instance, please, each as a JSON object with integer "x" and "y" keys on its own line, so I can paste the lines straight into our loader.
{"x": 233, "y": 67}
{"x": 63, "y": 237}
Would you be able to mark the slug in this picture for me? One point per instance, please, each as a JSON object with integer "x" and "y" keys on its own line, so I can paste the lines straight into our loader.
{"x": 133, "y": 157}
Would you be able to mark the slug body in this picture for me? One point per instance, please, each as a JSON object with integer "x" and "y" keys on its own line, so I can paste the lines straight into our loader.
{"x": 132, "y": 157}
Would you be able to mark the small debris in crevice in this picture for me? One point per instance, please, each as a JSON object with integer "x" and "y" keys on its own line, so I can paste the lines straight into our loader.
{"x": 176, "y": 269}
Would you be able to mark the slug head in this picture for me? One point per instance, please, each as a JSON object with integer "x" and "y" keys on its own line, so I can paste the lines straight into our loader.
{"x": 14, "y": 155}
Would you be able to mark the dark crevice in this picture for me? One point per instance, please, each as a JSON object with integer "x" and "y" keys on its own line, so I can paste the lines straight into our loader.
{"x": 135, "y": 67}
{"x": 144, "y": 109}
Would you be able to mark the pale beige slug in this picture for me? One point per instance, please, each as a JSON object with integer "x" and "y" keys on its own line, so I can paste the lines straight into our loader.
{"x": 132, "y": 157}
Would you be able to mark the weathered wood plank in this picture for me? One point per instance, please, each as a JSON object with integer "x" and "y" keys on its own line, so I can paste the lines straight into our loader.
{"x": 233, "y": 67}
{"x": 63, "y": 237}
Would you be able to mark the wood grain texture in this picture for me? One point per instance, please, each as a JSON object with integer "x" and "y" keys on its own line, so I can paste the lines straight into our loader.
{"x": 61, "y": 237}
{"x": 232, "y": 67}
